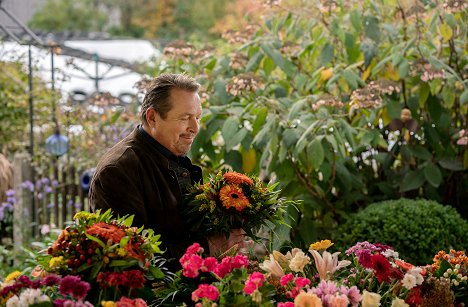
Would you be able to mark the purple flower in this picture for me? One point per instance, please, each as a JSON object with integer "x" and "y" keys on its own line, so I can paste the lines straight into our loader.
{"x": 352, "y": 293}
{"x": 47, "y": 189}
{"x": 10, "y": 193}
{"x": 51, "y": 280}
{"x": 45, "y": 180}
{"x": 72, "y": 285}
{"x": 11, "y": 200}
{"x": 54, "y": 183}
{"x": 39, "y": 195}
{"x": 78, "y": 205}
{"x": 28, "y": 185}
{"x": 23, "y": 279}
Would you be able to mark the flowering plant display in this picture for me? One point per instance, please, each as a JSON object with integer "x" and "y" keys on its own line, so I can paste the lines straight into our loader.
{"x": 232, "y": 201}
{"x": 373, "y": 275}
{"x": 19, "y": 290}
{"x": 107, "y": 252}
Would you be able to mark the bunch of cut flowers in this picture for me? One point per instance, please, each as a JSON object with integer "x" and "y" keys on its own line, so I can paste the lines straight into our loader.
{"x": 233, "y": 200}
{"x": 115, "y": 258}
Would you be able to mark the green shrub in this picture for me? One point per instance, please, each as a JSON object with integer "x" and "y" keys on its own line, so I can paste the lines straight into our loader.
{"x": 416, "y": 229}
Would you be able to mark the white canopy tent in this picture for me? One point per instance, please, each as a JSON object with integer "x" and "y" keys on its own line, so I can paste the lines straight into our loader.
{"x": 75, "y": 74}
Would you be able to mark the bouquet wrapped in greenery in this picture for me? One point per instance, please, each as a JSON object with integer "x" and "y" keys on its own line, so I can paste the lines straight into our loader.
{"x": 106, "y": 252}
{"x": 233, "y": 201}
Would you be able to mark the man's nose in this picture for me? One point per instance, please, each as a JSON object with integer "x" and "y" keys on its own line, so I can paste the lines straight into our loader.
{"x": 194, "y": 126}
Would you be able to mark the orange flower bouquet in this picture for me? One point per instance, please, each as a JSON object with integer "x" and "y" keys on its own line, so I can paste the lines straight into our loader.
{"x": 101, "y": 249}
{"x": 232, "y": 201}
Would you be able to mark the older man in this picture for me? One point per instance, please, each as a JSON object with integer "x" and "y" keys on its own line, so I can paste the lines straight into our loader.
{"x": 147, "y": 172}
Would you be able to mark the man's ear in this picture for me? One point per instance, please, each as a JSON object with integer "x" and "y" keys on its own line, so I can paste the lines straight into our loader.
{"x": 151, "y": 116}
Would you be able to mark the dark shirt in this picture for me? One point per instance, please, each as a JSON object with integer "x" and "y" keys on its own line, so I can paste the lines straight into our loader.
{"x": 139, "y": 176}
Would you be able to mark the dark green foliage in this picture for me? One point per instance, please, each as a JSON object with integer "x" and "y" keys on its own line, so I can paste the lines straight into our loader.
{"x": 416, "y": 229}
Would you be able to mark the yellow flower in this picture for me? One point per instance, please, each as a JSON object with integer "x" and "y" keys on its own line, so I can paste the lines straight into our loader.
{"x": 12, "y": 276}
{"x": 121, "y": 252}
{"x": 83, "y": 215}
{"x": 108, "y": 304}
{"x": 321, "y": 245}
{"x": 56, "y": 262}
{"x": 305, "y": 299}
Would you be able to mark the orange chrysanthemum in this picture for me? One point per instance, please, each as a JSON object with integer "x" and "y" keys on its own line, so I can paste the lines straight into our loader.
{"x": 232, "y": 196}
{"x": 237, "y": 178}
{"x": 106, "y": 232}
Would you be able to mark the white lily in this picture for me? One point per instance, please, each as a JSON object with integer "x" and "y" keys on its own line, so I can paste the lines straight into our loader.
{"x": 273, "y": 267}
{"x": 327, "y": 263}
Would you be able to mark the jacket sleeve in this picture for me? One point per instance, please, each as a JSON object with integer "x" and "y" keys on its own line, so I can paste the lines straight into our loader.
{"x": 118, "y": 189}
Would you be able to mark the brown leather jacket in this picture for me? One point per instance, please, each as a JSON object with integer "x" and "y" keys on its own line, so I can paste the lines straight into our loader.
{"x": 134, "y": 177}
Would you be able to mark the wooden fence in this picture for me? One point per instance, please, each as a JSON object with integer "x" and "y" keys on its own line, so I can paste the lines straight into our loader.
{"x": 49, "y": 202}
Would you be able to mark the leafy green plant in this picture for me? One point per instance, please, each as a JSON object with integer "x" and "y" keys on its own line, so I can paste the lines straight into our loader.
{"x": 414, "y": 228}
{"x": 345, "y": 105}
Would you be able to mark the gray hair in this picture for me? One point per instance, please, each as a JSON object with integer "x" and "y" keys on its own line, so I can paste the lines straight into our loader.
{"x": 159, "y": 91}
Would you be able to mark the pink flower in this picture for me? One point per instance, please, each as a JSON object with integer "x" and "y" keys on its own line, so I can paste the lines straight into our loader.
{"x": 240, "y": 261}
{"x": 127, "y": 302}
{"x": 352, "y": 293}
{"x": 254, "y": 282}
{"x": 285, "y": 304}
{"x": 209, "y": 264}
{"x": 224, "y": 268}
{"x": 302, "y": 282}
{"x": 339, "y": 301}
{"x": 286, "y": 279}
{"x": 191, "y": 265}
{"x": 195, "y": 248}
{"x": 205, "y": 291}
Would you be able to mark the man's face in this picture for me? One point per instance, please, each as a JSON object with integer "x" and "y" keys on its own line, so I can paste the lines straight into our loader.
{"x": 177, "y": 131}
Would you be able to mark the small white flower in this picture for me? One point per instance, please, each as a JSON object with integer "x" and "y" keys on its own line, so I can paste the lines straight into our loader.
{"x": 409, "y": 281}
{"x": 390, "y": 253}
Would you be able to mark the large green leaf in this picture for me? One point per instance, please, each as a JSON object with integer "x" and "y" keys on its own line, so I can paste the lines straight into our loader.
{"x": 278, "y": 59}
{"x": 433, "y": 174}
{"x": 230, "y": 128}
{"x": 327, "y": 54}
{"x": 371, "y": 27}
{"x": 412, "y": 180}
{"x": 315, "y": 153}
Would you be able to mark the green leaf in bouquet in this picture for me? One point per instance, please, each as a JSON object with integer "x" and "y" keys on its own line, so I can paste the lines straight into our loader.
{"x": 128, "y": 221}
{"x": 97, "y": 240}
{"x": 123, "y": 263}
{"x": 124, "y": 241}
{"x": 444, "y": 266}
{"x": 96, "y": 269}
{"x": 156, "y": 272}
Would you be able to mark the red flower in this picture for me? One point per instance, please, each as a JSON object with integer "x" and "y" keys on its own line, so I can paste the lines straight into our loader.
{"x": 135, "y": 279}
{"x": 414, "y": 297}
{"x": 381, "y": 267}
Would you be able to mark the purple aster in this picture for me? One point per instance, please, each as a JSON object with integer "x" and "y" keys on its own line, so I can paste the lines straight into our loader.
{"x": 51, "y": 280}
{"x": 72, "y": 285}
